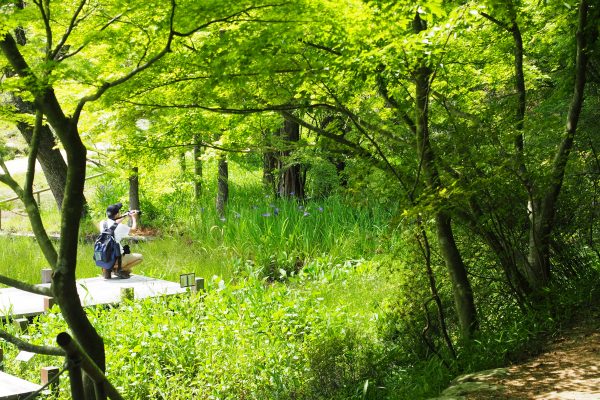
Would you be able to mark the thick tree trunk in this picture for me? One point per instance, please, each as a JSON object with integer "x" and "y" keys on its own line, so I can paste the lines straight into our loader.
{"x": 461, "y": 286}
{"x": 52, "y": 163}
{"x": 197, "y": 168}
{"x": 292, "y": 178}
{"x": 222, "y": 185}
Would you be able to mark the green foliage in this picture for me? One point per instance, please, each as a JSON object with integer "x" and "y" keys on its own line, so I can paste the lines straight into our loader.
{"x": 242, "y": 340}
{"x": 327, "y": 298}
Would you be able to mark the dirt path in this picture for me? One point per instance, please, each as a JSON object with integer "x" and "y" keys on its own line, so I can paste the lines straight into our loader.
{"x": 569, "y": 368}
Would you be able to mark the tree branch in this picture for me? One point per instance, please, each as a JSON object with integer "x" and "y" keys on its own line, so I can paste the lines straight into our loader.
{"x": 228, "y": 18}
{"x": 320, "y": 47}
{"x": 45, "y": 13}
{"x": 33, "y": 151}
{"x": 32, "y": 348}
{"x": 587, "y": 34}
{"x": 53, "y": 54}
{"x": 26, "y": 287}
{"x": 240, "y": 111}
{"x": 131, "y": 74}
{"x": 495, "y": 21}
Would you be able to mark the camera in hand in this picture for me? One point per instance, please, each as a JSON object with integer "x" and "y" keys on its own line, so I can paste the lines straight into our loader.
{"x": 131, "y": 212}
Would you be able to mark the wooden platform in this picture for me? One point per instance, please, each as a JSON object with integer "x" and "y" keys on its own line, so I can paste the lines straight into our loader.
{"x": 92, "y": 291}
{"x": 13, "y": 388}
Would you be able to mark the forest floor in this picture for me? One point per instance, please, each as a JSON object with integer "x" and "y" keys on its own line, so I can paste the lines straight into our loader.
{"x": 568, "y": 367}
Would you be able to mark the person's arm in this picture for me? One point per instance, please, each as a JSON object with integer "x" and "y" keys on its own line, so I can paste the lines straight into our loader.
{"x": 133, "y": 215}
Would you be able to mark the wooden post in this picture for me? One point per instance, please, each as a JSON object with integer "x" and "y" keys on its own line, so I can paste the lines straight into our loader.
{"x": 127, "y": 294}
{"x": 50, "y": 374}
{"x": 199, "y": 285}
{"x": 46, "y": 275}
{"x": 48, "y": 303}
{"x": 21, "y": 323}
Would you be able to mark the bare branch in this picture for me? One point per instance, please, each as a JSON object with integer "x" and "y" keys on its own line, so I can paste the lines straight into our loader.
{"x": 338, "y": 138}
{"x": 201, "y": 143}
{"x": 223, "y": 110}
{"x": 229, "y": 18}
{"x": 46, "y": 18}
{"x": 75, "y": 52}
{"x": 26, "y": 287}
{"x": 53, "y": 54}
{"x": 33, "y": 151}
{"x": 32, "y": 348}
{"x": 378, "y": 149}
{"x": 321, "y": 47}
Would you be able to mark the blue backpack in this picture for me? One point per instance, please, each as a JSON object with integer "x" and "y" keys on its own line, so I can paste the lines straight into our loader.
{"x": 106, "y": 248}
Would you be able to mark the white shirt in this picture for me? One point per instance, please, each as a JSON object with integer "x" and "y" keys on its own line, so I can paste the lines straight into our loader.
{"x": 121, "y": 231}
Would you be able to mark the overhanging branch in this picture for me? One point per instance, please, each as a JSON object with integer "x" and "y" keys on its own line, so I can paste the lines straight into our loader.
{"x": 26, "y": 287}
{"x": 32, "y": 348}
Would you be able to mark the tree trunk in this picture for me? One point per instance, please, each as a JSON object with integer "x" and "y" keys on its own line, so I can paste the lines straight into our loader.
{"x": 197, "y": 168}
{"x": 461, "y": 287}
{"x": 182, "y": 162}
{"x": 269, "y": 163}
{"x": 52, "y": 163}
{"x": 63, "y": 278}
{"x": 222, "y": 185}
{"x": 292, "y": 178}
{"x": 544, "y": 210}
{"x": 134, "y": 193}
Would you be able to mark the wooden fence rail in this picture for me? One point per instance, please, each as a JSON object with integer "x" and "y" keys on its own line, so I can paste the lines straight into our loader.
{"x": 37, "y": 194}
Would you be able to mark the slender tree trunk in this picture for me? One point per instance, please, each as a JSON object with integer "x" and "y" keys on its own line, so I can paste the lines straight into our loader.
{"x": 292, "y": 179}
{"x": 197, "y": 168}
{"x": 182, "y": 162}
{"x": 544, "y": 219}
{"x": 423, "y": 241}
{"x": 222, "y": 185}
{"x": 134, "y": 193}
{"x": 52, "y": 163}
{"x": 269, "y": 162}
{"x": 64, "y": 284}
{"x": 461, "y": 286}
